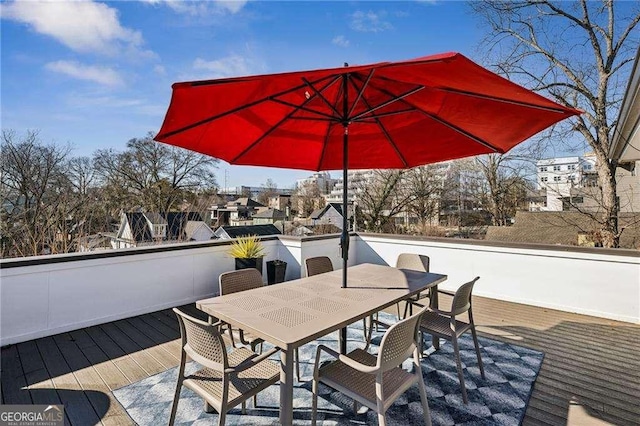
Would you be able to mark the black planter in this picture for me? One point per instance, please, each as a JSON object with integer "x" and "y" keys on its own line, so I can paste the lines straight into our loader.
{"x": 276, "y": 271}
{"x": 244, "y": 263}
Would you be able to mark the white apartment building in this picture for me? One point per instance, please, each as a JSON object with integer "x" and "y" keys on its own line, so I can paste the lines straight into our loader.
{"x": 559, "y": 176}
{"x": 322, "y": 180}
{"x": 356, "y": 178}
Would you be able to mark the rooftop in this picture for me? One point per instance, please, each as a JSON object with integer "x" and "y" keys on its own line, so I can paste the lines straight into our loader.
{"x": 590, "y": 371}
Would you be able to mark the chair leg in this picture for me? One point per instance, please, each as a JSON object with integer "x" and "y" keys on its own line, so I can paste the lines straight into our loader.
{"x": 382, "y": 421}
{"x": 475, "y": 342}
{"x": 370, "y": 334}
{"x": 255, "y": 401}
{"x": 297, "y": 361}
{"x": 174, "y": 406}
{"x": 423, "y": 389}
{"x": 222, "y": 417}
{"x": 398, "y": 311}
{"x": 244, "y": 408}
{"x": 314, "y": 401}
{"x": 406, "y": 309}
{"x": 456, "y": 351}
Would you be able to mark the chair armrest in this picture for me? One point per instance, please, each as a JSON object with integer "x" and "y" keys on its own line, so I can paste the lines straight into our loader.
{"x": 346, "y": 360}
{"x": 251, "y": 362}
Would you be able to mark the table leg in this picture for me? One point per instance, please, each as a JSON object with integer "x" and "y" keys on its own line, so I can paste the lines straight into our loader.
{"x": 433, "y": 303}
{"x": 343, "y": 340}
{"x": 286, "y": 386}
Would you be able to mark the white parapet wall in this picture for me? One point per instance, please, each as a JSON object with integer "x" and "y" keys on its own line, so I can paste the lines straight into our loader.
{"x": 598, "y": 282}
{"x": 45, "y": 295}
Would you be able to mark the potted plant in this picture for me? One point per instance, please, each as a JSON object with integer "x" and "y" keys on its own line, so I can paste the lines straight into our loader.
{"x": 276, "y": 270}
{"x": 248, "y": 252}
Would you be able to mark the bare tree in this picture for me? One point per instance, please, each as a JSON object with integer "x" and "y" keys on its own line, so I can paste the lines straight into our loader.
{"x": 306, "y": 199}
{"x": 152, "y": 175}
{"x": 425, "y": 189}
{"x": 506, "y": 186}
{"x": 380, "y": 199}
{"x": 576, "y": 52}
{"x": 269, "y": 189}
{"x": 34, "y": 193}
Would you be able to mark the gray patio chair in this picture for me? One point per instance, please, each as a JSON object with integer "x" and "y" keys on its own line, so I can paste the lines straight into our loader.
{"x": 375, "y": 382}
{"x": 414, "y": 262}
{"x": 443, "y": 324}
{"x": 227, "y": 378}
{"x": 322, "y": 264}
{"x": 237, "y": 281}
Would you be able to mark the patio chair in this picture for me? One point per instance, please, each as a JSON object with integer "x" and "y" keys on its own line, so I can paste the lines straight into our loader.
{"x": 241, "y": 280}
{"x": 443, "y": 324}
{"x": 375, "y": 382}
{"x": 322, "y": 264}
{"x": 227, "y": 378}
{"x": 237, "y": 281}
{"x": 414, "y": 262}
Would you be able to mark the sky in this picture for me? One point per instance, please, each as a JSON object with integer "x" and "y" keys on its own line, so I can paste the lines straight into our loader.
{"x": 97, "y": 74}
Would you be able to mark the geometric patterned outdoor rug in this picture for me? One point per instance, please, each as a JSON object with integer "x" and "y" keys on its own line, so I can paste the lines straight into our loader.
{"x": 501, "y": 398}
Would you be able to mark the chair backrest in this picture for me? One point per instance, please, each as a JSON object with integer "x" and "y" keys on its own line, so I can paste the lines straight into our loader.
{"x": 202, "y": 341}
{"x": 412, "y": 261}
{"x": 318, "y": 265}
{"x": 240, "y": 280}
{"x": 399, "y": 341}
{"x": 462, "y": 298}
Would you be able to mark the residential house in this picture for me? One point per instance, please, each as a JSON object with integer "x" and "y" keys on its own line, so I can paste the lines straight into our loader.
{"x": 139, "y": 228}
{"x": 227, "y": 232}
{"x": 331, "y": 214}
{"x": 236, "y": 212}
{"x": 197, "y": 230}
{"x": 268, "y": 216}
{"x": 280, "y": 202}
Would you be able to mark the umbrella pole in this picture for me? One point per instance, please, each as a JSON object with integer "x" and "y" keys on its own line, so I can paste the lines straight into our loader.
{"x": 344, "y": 237}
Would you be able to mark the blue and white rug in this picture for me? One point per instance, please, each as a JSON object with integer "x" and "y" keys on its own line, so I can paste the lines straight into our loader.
{"x": 501, "y": 398}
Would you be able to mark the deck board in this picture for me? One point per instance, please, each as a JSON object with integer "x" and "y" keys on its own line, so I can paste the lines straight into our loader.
{"x": 590, "y": 374}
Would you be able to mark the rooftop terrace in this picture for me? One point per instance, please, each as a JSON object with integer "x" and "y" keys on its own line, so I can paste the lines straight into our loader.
{"x": 102, "y": 321}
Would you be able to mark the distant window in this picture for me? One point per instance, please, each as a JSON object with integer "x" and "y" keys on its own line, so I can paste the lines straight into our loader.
{"x": 556, "y": 168}
{"x": 543, "y": 169}
{"x": 544, "y": 179}
{"x": 572, "y": 167}
{"x": 557, "y": 178}
{"x": 587, "y": 166}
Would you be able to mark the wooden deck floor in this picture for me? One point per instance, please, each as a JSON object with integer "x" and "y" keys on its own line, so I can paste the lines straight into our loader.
{"x": 590, "y": 374}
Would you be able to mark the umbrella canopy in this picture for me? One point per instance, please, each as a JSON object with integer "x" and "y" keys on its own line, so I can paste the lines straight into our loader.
{"x": 384, "y": 115}
{"x": 399, "y": 115}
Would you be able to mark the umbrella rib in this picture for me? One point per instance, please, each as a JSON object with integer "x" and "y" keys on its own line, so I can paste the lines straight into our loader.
{"x": 319, "y": 94}
{"x": 446, "y": 123}
{"x": 360, "y": 91}
{"x": 275, "y": 126}
{"x": 395, "y": 98}
{"x": 299, "y": 107}
{"x": 234, "y": 110}
{"x": 502, "y": 100}
{"x": 324, "y": 145}
{"x": 387, "y": 135}
{"x": 463, "y": 132}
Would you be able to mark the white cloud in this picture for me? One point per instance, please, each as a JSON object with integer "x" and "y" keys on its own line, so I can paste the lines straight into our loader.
{"x": 230, "y": 66}
{"x": 83, "y": 26}
{"x": 370, "y": 21}
{"x": 101, "y": 75}
{"x": 160, "y": 70}
{"x": 340, "y": 41}
{"x": 196, "y": 8}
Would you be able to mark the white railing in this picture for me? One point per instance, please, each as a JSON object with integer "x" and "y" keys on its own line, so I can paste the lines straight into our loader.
{"x": 598, "y": 282}
{"x": 46, "y": 295}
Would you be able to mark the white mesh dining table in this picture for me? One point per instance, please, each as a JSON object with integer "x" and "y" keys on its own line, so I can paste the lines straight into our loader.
{"x": 291, "y": 314}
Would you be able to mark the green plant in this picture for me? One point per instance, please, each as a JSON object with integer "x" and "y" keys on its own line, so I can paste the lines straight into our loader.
{"x": 247, "y": 248}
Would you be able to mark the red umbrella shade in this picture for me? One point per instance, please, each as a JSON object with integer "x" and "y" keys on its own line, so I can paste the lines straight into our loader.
{"x": 398, "y": 115}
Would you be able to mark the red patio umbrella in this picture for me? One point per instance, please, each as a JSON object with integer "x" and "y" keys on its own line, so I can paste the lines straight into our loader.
{"x": 384, "y": 115}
